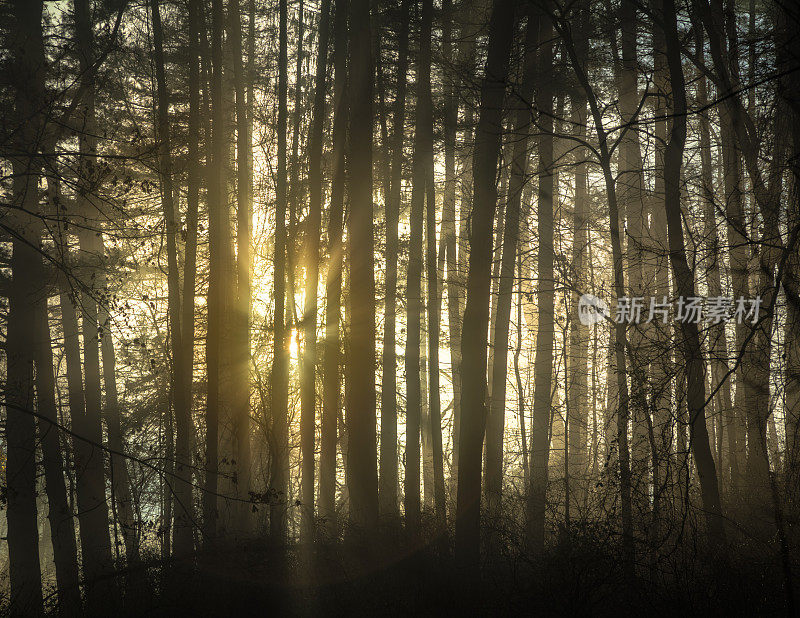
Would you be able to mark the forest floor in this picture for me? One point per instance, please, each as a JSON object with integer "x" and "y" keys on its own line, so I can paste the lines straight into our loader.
{"x": 575, "y": 577}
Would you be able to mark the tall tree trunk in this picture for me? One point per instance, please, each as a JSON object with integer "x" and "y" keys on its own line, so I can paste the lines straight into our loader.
{"x": 388, "y": 481}
{"x": 578, "y": 359}
{"x": 182, "y": 488}
{"x": 183, "y": 446}
{"x": 423, "y": 158}
{"x": 27, "y": 75}
{"x": 121, "y": 482}
{"x": 684, "y": 283}
{"x": 331, "y": 387}
{"x": 789, "y": 89}
{"x": 94, "y": 525}
{"x": 543, "y": 372}
{"x": 241, "y": 312}
{"x": 743, "y": 128}
{"x": 466, "y": 61}
{"x": 361, "y": 418}
{"x": 618, "y": 389}
{"x": 630, "y": 190}
{"x": 476, "y": 315}
{"x": 62, "y": 526}
{"x": 718, "y": 345}
{"x": 20, "y": 433}
{"x": 279, "y": 473}
{"x": 657, "y": 271}
{"x": 495, "y": 428}
{"x": 218, "y": 237}
{"x": 309, "y": 370}
{"x": 434, "y": 298}
{"x": 452, "y": 277}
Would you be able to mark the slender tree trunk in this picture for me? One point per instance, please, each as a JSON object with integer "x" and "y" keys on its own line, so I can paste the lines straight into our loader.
{"x": 630, "y": 190}
{"x": 279, "y": 473}
{"x": 452, "y": 277}
{"x": 518, "y": 376}
{"x": 94, "y": 525}
{"x": 465, "y": 60}
{"x": 217, "y": 233}
{"x": 578, "y": 360}
{"x": 618, "y": 388}
{"x": 361, "y": 418}
{"x": 684, "y": 282}
{"x": 241, "y": 312}
{"x": 495, "y": 429}
{"x": 423, "y": 158}
{"x": 182, "y": 488}
{"x": 20, "y": 433}
{"x": 185, "y": 434}
{"x": 434, "y": 298}
{"x": 543, "y": 364}
{"x": 718, "y": 345}
{"x": 388, "y": 482}
{"x": 308, "y": 410}
{"x": 789, "y": 53}
{"x": 27, "y": 75}
{"x": 476, "y": 316}
{"x": 742, "y": 127}
{"x": 657, "y": 271}
{"x": 62, "y": 526}
{"x": 331, "y": 397}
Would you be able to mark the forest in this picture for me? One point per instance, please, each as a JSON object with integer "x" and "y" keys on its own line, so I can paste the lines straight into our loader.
{"x": 399, "y": 307}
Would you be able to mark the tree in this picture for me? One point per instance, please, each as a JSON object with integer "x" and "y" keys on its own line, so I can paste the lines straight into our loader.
{"x": 241, "y": 311}
{"x": 20, "y": 432}
{"x": 92, "y": 505}
{"x": 183, "y": 494}
{"x": 331, "y": 387}
{"x": 522, "y": 128}
{"x": 543, "y": 375}
{"x": 312, "y": 271}
{"x": 684, "y": 282}
{"x": 476, "y": 314}
{"x": 279, "y": 473}
{"x": 388, "y": 483}
{"x": 362, "y": 471}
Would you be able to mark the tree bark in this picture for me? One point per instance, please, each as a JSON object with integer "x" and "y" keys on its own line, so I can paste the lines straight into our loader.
{"x": 20, "y": 428}
{"x": 331, "y": 397}
{"x": 241, "y": 311}
{"x": 94, "y": 525}
{"x": 685, "y": 286}
{"x": 423, "y": 159}
{"x": 434, "y": 298}
{"x": 182, "y": 489}
{"x": 218, "y": 233}
{"x": 361, "y": 418}
{"x": 476, "y": 317}
{"x": 543, "y": 364}
{"x": 617, "y": 404}
{"x": 308, "y": 380}
{"x": 495, "y": 429}
{"x": 388, "y": 481}
{"x": 279, "y": 471}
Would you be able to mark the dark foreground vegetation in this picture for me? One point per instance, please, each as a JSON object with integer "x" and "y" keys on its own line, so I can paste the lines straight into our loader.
{"x": 580, "y": 575}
